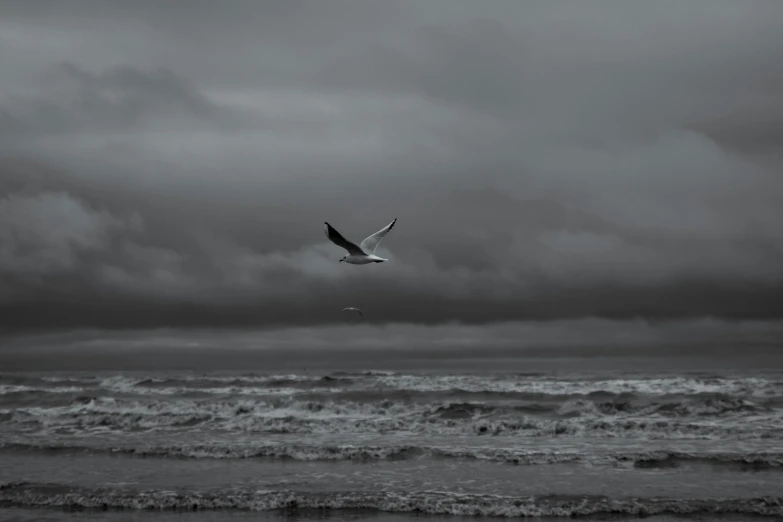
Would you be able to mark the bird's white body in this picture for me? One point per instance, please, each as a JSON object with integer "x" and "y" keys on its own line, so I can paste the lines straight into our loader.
{"x": 363, "y": 254}
{"x": 363, "y": 260}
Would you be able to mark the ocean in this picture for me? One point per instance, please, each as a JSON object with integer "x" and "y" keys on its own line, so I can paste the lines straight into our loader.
{"x": 594, "y": 439}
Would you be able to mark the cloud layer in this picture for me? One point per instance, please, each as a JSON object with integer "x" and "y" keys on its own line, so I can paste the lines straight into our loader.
{"x": 170, "y": 168}
{"x": 529, "y": 346}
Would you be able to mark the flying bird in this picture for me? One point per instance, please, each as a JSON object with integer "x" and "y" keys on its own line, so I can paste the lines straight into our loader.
{"x": 363, "y": 254}
{"x": 352, "y": 309}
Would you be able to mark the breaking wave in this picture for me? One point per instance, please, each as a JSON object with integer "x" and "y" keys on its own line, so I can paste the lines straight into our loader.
{"x": 330, "y": 452}
{"x": 23, "y": 494}
{"x": 387, "y": 381}
{"x": 11, "y": 389}
{"x": 698, "y": 416}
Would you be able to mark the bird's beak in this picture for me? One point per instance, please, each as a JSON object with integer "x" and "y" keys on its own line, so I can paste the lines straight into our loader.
{"x": 342, "y": 260}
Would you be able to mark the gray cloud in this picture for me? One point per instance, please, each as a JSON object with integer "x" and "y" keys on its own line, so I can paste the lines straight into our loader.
{"x": 44, "y": 234}
{"x": 118, "y": 100}
{"x": 165, "y": 167}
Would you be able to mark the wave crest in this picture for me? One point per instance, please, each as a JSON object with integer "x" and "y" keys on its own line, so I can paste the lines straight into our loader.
{"x": 24, "y": 494}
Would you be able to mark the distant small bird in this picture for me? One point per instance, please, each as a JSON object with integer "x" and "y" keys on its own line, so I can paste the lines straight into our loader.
{"x": 352, "y": 309}
{"x": 359, "y": 255}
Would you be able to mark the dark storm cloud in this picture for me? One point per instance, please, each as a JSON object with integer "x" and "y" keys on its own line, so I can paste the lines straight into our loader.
{"x": 171, "y": 166}
{"x": 521, "y": 346}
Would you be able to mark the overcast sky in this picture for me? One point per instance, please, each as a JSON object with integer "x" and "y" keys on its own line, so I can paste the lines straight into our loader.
{"x": 171, "y": 164}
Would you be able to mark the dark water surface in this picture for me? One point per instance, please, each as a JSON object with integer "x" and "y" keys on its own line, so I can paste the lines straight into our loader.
{"x": 599, "y": 439}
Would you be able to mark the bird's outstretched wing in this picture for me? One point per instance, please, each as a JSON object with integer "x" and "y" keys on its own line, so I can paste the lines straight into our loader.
{"x": 351, "y": 309}
{"x": 371, "y": 242}
{"x": 335, "y": 237}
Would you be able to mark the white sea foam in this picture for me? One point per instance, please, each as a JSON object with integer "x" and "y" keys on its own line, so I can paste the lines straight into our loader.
{"x": 288, "y": 415}
{"x": 755, "y": 387}
{"x": 287, "y": 384}
{"x": 6, "y": 389}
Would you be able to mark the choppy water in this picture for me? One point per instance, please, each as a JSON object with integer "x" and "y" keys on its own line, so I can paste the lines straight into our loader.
{"x": 667, "y": 443}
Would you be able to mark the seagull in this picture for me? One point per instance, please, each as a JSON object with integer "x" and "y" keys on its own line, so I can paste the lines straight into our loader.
{"x": 363, "y": 254}
{"x": 352, "y": 309}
